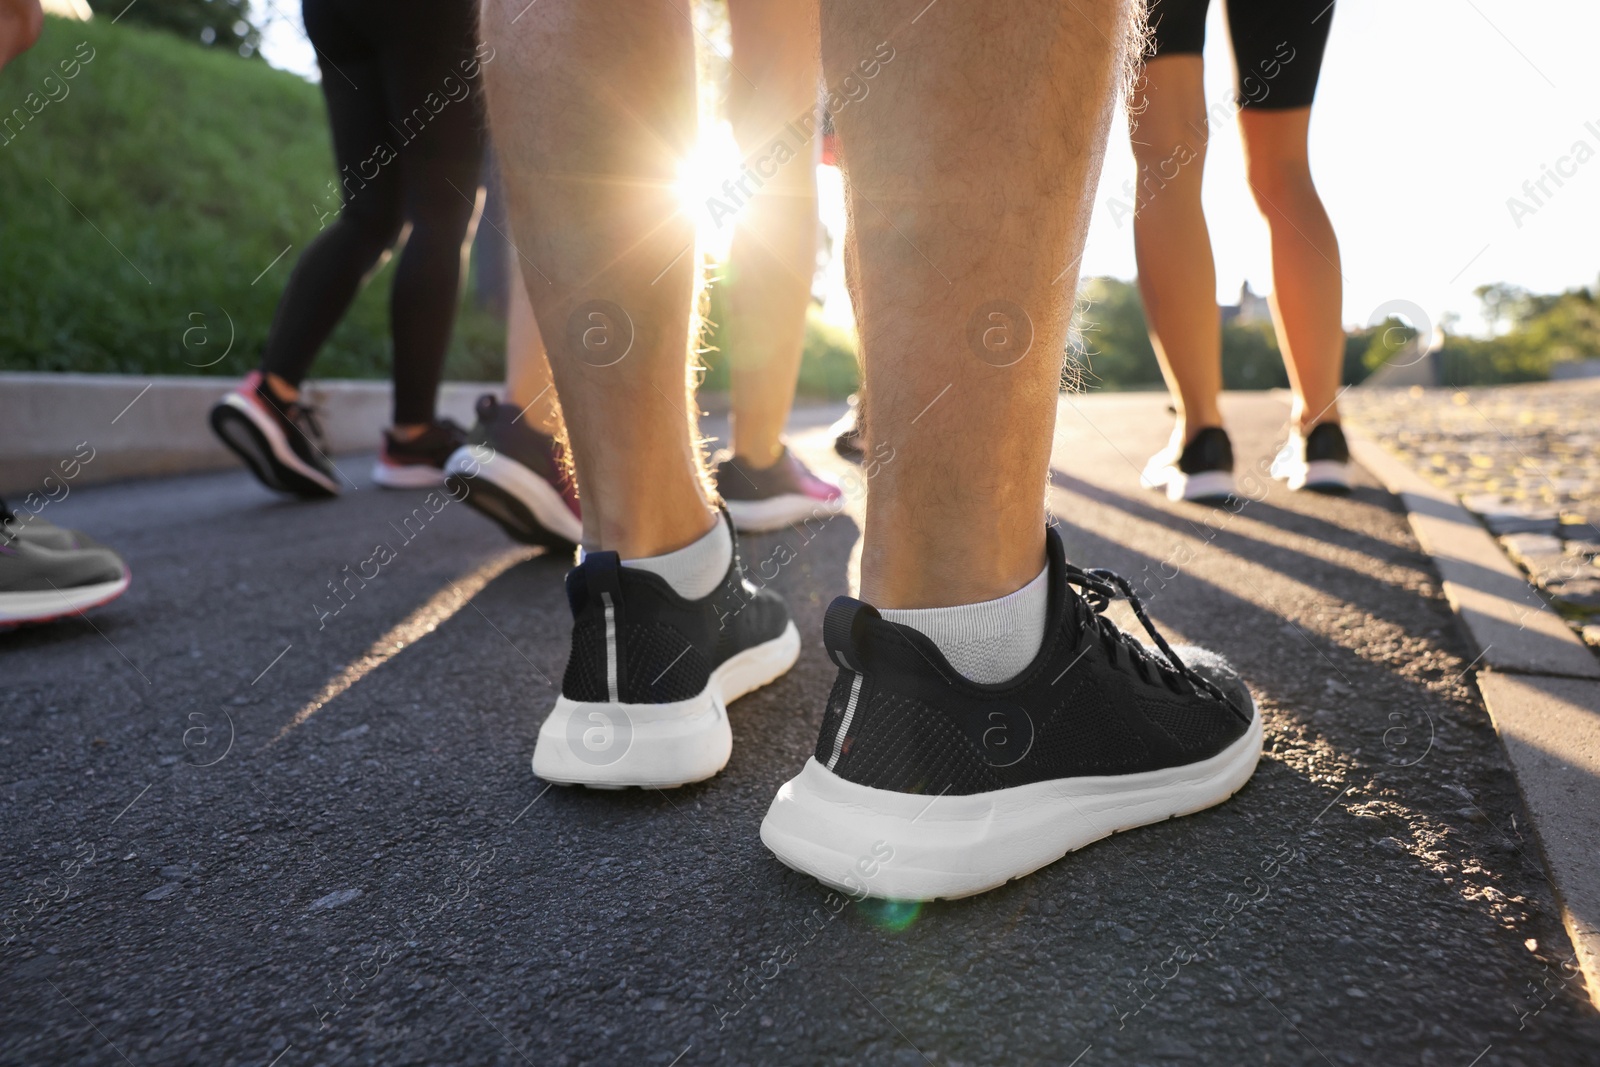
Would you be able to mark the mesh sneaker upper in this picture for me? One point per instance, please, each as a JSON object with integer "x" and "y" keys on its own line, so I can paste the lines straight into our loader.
{"x": 664, "y": 647}
{"x": 1085, "y": 706}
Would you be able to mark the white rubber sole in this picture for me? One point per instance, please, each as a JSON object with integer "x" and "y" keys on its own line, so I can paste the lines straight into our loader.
{"x": 906, "y": 846}
{"x": 1321, "y": 474}
{"x": 42, "y": 606}
{"x": 541, "y": 498}
{"x": 278, "y": 454}
{"x": 1207, "y": 485}
{"x": 399, "y": 476}
{"x": 774, "y": 513}
{"x": 608, "y": 745}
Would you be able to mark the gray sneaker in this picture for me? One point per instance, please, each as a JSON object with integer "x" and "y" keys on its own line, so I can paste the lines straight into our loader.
{"x": 39, "y": 582}
{"x": 42, "y": 532}
{"x": 760, "y": 499}
{"x": 513, "y": 474}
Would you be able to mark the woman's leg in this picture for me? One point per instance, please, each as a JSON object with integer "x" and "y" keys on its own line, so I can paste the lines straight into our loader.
{"x": 1307, "y": 292}
{"x": 442, "y": 205}
{"x": 774, "y": 254}
{"x": 333, "y": 267}
{"x": 1177, "y": 277}
{"x": 439, "y": 111}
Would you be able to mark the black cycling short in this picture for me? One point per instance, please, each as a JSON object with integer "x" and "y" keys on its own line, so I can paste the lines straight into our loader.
{"x": 1277, "y": 45}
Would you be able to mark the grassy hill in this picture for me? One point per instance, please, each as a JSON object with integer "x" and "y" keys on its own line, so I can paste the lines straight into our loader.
{"x": 147, "y": 197}
{"x": 141, "y": 205}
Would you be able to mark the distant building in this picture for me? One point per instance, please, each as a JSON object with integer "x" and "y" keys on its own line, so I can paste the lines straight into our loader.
{"x": 1250, "y": 308}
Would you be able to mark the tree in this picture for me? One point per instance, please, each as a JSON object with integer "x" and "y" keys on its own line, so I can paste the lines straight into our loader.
{"x": 211, "y": 23}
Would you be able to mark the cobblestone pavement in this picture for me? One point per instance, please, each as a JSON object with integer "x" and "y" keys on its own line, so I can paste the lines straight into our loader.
{"x": 1525, "y": 459}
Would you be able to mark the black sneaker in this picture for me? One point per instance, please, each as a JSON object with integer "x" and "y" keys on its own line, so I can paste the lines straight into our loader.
{"x": 1319, "y": 461}
{"x": 925, "y": 784}
{"x": 849, "y": 433}
{"x": 38, "y": 584}
{"x": 760, "y": 499}
{"x": 644, "y": 698}
{"x": 280, "y": 441}
{"x": 1201, "y": 470}
{"x": 418, "y": 463}
{"x": 515, "y": 475}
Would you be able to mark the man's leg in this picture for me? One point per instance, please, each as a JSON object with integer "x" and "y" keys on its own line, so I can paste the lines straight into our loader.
{"x": 529, "y": 386}
{"x": 987, "y": 717}
{"x": 774, "y": 254}
{"x": 970, "y": 170}
{"x": 593, "y": 107}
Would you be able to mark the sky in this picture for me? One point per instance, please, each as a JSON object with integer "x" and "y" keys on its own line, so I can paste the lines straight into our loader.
{"x": 1430, "y": 115}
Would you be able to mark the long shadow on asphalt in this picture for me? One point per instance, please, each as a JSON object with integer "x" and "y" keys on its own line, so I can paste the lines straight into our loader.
{"x": 391, "y": 883}
{"x": 1329, "y": 576}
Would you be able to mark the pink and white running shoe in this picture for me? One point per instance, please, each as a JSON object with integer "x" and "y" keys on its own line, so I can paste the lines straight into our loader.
{"x": 770, "y": 498}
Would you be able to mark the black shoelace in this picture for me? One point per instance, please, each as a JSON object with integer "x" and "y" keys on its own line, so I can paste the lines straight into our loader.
{"x": 1099, "y": 587}
{"x": 304, "y": 417}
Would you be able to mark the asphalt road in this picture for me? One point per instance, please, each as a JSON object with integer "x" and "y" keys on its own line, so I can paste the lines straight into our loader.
{"x": 242, "y": 829}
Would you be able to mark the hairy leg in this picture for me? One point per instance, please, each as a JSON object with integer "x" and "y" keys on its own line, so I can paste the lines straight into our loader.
{"x": 529, "y": 386}
{"x": 1177, "y": 275}
{"x": 1307, "y": 293}
{"x": 593, "y": 107}
{"x": 971, "y": 165}
{"x": 774, "y": 253}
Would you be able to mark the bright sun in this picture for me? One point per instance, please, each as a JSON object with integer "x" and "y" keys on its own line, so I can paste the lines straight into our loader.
{"x": 715, "y": 160}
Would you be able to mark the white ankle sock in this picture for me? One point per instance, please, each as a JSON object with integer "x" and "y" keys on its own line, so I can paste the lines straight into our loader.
{"x": 988, "y": 642}
{"x": 695, "y": 569}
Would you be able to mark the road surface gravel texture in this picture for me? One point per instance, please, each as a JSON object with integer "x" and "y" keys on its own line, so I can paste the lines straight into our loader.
{"x": 248, "y": 821}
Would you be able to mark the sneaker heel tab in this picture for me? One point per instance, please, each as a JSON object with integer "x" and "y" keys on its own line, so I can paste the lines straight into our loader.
{"x": 840, "y": 630}
{"x": 1054, "y": 549}
{"x": 599, "y": 573}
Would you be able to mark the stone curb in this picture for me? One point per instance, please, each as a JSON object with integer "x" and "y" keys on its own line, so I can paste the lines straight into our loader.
{"x": 1538, "y": 680}
{"x": 140, "y": 426}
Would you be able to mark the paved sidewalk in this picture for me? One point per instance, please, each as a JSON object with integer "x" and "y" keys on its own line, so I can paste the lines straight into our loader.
{"x": 237, "y": 837}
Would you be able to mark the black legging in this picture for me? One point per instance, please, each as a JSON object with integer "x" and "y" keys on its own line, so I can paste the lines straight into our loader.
{"x": 401, "y": 78}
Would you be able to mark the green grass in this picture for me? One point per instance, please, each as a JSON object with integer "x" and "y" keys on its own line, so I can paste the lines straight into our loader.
{"x": 138, "y": 211}
{"x": 829, "y": 369}
{"x": 150, "y": 198}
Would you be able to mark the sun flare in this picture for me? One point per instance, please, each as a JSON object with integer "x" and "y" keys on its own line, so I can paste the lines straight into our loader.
{"x": 714, "y": 161}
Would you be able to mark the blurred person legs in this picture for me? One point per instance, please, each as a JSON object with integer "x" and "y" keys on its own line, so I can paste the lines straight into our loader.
{"x": 513, "y": 461}
{"x": 1278, "y": 51}
{"x": 593, "y": 109}
{"x": 20, "y": 24}
{"x": 48, "y": 572}
{"x": 764, "y": 485}
{"x": 987, "y": 717}
{"x": 400, "y": 81}
{"x": 849, "y": 436}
